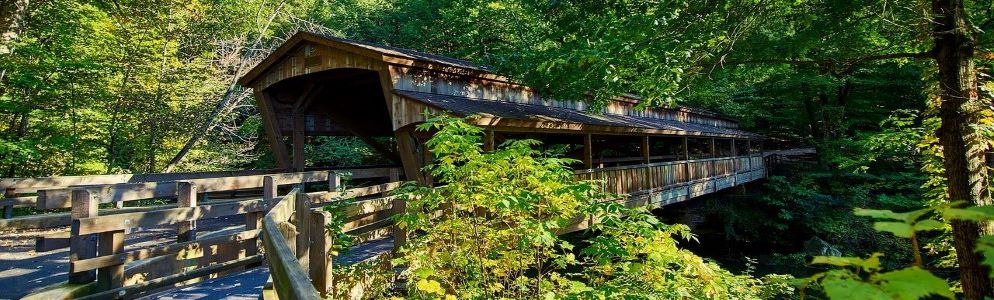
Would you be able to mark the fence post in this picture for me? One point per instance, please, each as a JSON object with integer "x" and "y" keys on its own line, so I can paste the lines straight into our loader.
{"x": 334, "y": 181}
{"x": 8, "y": 210}
{"x": 269, "y": 190}
{"x": 302, "y": 220}
{"x": 321, "y": 271}
{"x": 186, "y": 196}
{"x": 399, "y": 234}
{"x": 81, "y": 246}
{"x": 111, "y": 277}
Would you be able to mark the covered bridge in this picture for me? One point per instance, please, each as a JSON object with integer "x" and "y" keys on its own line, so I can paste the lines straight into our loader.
{"x": 316, "y": 85}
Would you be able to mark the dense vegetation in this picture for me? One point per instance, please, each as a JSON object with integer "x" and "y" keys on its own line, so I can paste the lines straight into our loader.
{"x": 895, "y": 96}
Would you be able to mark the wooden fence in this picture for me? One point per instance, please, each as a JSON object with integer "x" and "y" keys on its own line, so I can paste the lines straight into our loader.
{"x": 712, "y": 173}
{"x": 97, "y": 254}
{"x": 301, "y": 265}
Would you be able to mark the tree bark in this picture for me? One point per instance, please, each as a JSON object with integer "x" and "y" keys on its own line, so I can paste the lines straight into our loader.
{"x": 962, "y": 147}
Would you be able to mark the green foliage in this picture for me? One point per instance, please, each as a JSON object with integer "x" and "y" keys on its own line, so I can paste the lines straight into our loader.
{"x": 858, "y": 278}
{"x": 490, "y": 230}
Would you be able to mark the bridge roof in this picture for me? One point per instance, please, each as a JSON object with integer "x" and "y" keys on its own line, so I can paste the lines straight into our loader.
{"x": 466, "y": 106}
{"x": 623, "y": 119}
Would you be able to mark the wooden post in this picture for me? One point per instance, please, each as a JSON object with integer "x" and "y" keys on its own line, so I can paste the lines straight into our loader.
{"x": 269, "y": 190}
{"x": 186, "y": 196}
{"x": 253, "y": 221}
{"x": 334, "y": 181}
{"x": 321, "y": 271}
{"x": 399, "y": 234}
{"x": 82, "y": 246}
{"x": 488, "y": 141}
{"x": 588, "y": 151}
{"x": 302, "y": 220}
{"x": 298, "y": 142}
{"x": 749, "y": 158}
{"x": 111, "y": 277}
{"x": 686, "y": 149}
{"x": 8, "y": 210}
{"x": 645, "y": 149}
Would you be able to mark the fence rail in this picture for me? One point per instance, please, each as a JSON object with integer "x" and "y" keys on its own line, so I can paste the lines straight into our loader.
{"x": 99, "y": 261}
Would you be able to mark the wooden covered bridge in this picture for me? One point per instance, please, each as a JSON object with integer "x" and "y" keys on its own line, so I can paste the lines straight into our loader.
{"x": 317, "y": 85}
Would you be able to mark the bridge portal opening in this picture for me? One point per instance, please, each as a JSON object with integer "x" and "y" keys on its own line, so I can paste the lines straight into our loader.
{"x": 333, "y": 118}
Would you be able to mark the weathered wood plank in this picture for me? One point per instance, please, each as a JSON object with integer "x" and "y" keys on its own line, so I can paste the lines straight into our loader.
{"x": 146, "y": 253}
{"x": 51, "y": 242}
{"x": 324, "y": 197}
{"x": 289, "y": 279}
{"x": 82, "y": 245}
{"x": 59, "y": 197}
{"x": 112, "y": 276}
{"x": 165, "y": 217}
{"x": 31, "y": 185}
{"x": 321, "y": 269}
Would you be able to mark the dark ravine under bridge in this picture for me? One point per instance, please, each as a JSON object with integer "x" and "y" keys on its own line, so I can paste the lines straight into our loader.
{"x": 227, "y": 233}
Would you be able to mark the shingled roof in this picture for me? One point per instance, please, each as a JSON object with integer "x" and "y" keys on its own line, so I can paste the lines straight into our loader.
{"x": 466, "y": 106}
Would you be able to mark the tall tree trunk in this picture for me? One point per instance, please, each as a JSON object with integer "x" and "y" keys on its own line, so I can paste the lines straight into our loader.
{"x": 11, "y": 25}
{"x": 962, "y": 147}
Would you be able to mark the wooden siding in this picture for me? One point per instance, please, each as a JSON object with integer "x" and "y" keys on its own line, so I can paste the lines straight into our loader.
{"x": 431, "y": 81}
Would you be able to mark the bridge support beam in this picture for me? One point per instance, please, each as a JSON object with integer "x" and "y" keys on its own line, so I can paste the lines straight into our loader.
{"x": 588, "y": 151}
{"x": 645, "y": 149}
{"x": 269, "y": 122}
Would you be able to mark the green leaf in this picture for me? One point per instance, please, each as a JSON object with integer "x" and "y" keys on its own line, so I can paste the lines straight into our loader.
{"x": 976, "y": 213}
{"x": 913, "y": 283}
{"x": 897, "y": 228}
{"x": 890, "y": 215}
{"x": 870, "y": 264}
{"x": 929, "y": 225}
{"x": 844, "y": 288}
{"x": 878, "y": 214}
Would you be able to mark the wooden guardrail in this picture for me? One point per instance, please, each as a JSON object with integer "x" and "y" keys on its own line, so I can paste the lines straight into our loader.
{"x": 96, "y": 239}
{"x": 18, "y": 192}
{"x": 295, "y": 233}
{"x": 280, "y": 238}
{"x": 666, "y": 175}
{"x": 124, "y": 192}
{"x": 53, "y": 192}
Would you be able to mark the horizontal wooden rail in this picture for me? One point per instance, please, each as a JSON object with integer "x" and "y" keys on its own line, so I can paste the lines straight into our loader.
{"x": 60, "y": 198}
{"x": 140, "y": 254}
{"x": 163, "y": 217}
{"x": 31, "y": 185}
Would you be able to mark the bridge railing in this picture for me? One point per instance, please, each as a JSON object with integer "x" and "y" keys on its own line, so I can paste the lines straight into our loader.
{"x": 281, "y": 231}
{"x": 97, "y": 254}
{"x": 368, "y": 219}
{"x": 709, "y": 174}
{"x": 306, "y": 247}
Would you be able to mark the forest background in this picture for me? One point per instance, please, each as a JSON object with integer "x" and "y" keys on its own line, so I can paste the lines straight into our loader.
{"x": 96, "y": 87}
